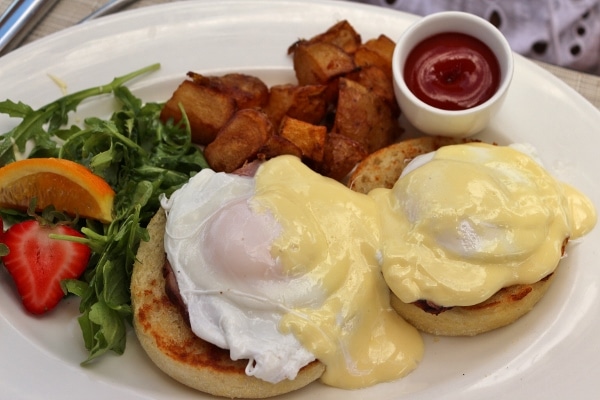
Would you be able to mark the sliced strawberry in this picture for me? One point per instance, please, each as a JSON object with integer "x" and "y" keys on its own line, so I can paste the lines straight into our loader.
{"x": 39, "y": 263}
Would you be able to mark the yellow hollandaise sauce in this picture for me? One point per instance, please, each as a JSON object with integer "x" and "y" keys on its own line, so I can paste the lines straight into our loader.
{"x": 333, "y": 235}
{"x": 472, "y": 219}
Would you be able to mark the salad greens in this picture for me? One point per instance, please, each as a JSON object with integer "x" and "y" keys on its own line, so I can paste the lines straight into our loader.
{"x": 141, "y": 157}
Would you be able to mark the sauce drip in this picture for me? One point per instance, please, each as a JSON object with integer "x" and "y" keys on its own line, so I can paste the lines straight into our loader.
{"x": 452, "y": 71}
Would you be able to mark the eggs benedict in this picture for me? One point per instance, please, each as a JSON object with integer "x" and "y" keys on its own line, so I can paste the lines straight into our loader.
{"x": 472, "y": 233}
{"x": 285, "y": 275}
{"x": 164, "y": 333}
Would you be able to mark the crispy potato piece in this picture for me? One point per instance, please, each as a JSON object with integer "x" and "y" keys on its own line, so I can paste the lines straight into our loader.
{"x": 207, "y": 109}
{"x": 309, "y": 138}
{"x": 341, "y": 34}
{"x": 239, "y": 141}
{"x": 340, "y": 157}
{"x": 365, "y": 117}
{"x": 318, "y": 63}
{"x": 325, "y": 57}
{"x": 276, "y": 146}
{"x": 247, "y": 91}
{"x": 377, "y": 81}
{"x": 376, "y": 52}
{"x": 307, "y": 103}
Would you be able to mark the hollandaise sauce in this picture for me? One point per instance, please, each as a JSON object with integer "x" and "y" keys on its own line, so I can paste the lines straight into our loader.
{"x": 332, "y": 235}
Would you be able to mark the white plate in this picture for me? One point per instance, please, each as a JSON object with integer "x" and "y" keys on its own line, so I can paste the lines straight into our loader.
{"x": 552, "y": 353}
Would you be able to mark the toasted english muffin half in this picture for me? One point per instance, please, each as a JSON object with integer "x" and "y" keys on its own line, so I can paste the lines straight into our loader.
{"x": 382, "y": 169}
{"x": 503, "y": 308}
{"x": 168, "y": 340}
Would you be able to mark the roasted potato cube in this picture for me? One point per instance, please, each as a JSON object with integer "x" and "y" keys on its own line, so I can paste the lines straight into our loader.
{"x": 376, "y": 52}
{"x": 309, "y": 138}
{"x": 318, "y": 63}
{"x": 340, "y": 157}
{"x": 277, "y": 146}
{"x": 377, "y": 81}
{"x": 239, "y": 141}
{"x": 341, "y": 34}
{"x": 307, "y": 103}
{"x": 365, "y": 117}
{"x": 207, "y": 109}
{"x": 247, "y": 91}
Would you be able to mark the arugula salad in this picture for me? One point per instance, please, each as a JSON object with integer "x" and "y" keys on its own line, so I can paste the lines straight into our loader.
{"x": 140, "y": 157}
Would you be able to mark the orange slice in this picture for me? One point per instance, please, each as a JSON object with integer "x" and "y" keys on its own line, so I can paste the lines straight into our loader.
{"x": 66, "y": 185}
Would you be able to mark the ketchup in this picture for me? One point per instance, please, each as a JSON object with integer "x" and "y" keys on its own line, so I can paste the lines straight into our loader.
{"x": 452, "y": 71}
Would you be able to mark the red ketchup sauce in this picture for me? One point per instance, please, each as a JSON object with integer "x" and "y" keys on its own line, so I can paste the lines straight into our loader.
{"x": 452, "y": 71}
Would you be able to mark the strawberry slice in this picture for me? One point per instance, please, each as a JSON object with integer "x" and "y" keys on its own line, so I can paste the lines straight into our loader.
{"x": 38, "y": 263}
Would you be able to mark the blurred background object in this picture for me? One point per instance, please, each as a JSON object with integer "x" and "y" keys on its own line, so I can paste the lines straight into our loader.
{"x": 18, "y": 19}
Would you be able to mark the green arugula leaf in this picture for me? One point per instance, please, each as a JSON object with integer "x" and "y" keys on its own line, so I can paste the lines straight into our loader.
{"x": 12, "y": 109}
{"x": 103, "y": 330}
{"x": 141, "y": 157}
{"x": 4, "y": 250}
{"x": 54, "y": 115}
{"x": 74, "y": 286}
